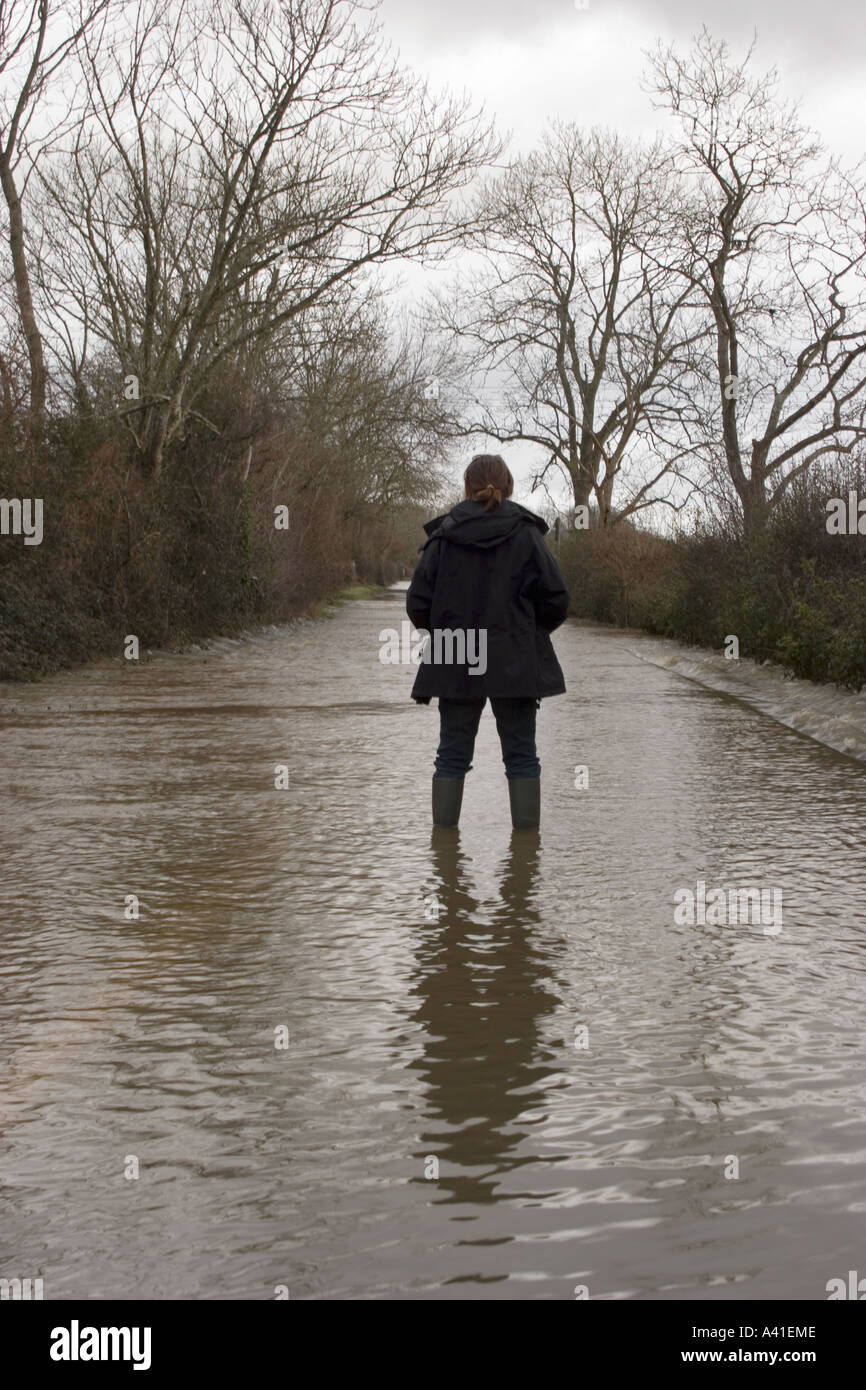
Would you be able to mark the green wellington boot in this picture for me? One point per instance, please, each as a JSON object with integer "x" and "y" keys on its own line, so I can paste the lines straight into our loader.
{"x": 447, "y": 800}
{"x": 524, "y": 793}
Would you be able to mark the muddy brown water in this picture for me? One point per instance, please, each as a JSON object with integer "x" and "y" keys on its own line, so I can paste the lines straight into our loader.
{"x": 618, "y": 1103}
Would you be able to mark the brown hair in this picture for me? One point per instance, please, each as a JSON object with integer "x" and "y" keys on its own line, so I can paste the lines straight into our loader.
{"x": 488, "y": 480}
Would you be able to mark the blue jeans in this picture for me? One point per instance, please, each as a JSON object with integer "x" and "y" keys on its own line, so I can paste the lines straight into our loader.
{"x": 515, "y": 724}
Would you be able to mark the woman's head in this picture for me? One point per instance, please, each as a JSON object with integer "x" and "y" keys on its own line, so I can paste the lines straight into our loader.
{"x": 488, "y": 480}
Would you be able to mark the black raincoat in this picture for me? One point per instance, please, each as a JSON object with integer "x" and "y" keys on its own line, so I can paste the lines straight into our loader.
{"x": 488, "y": 572}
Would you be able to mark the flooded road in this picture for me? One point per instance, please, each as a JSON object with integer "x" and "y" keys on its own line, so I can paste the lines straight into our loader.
{"x": 248, "y": 1088}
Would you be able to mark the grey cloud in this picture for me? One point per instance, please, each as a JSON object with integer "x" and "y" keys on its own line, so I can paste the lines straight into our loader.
{"x": 801, "y": 33}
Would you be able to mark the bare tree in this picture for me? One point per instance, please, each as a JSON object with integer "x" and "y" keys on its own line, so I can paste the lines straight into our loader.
{"x": 589, "y": 334}
{"x": 241, "y": 164}
{"x": 777, "y": 242}
{"x": 350, "y": 379}
{"x": 36, "y": 39}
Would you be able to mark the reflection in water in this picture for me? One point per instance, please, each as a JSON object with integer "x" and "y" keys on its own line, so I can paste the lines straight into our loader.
{"x": 489, "y": 985}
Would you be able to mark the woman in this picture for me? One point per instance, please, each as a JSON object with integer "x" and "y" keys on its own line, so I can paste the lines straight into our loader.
{"x": 490, "y": 593}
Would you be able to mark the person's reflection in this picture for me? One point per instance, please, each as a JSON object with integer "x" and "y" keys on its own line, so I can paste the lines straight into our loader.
{"x": 483, "y": 985}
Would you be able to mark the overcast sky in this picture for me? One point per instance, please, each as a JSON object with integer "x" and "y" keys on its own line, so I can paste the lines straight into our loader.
{"x": 529, "y": 60}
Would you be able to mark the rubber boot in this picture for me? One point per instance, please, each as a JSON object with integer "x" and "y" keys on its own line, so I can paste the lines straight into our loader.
{"x": 447, "y": 800}
{"x": 524, "y": 793}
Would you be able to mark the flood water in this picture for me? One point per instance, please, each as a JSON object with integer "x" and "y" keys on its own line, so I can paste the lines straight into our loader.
{"x": 618, "y": 1102}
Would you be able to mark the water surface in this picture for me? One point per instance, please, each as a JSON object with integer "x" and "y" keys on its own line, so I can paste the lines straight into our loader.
{"x": 434, "y": 988}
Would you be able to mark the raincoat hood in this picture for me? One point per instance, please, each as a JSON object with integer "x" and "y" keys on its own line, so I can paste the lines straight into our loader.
{"x": 469, "y": 524}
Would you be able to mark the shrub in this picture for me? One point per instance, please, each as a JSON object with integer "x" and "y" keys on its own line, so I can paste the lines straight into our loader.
{"x": 795, "y": 595}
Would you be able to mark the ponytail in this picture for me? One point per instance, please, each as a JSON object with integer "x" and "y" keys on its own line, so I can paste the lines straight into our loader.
{"x": 488, "y": 480}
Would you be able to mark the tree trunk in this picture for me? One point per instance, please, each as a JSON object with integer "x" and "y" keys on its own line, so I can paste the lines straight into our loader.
{"x": 165, "y": 421}
{"x": 32, "y": 336}
{"x": 604, "y": 497}
{"x": 753, "y": 498}
{"x": 154, "y": 442}
{"x": 582, "y": 484}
